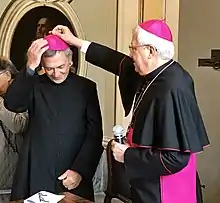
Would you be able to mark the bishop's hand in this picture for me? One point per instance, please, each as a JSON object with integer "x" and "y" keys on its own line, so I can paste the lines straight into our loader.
{"x": 118, "y": 151}
{"x": 34, "y": 53}
{"x": 70, "y": 179}
{"x": 65, "y": 34}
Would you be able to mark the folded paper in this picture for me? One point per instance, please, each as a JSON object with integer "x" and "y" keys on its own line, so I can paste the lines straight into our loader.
{"x": 44, "y": 197}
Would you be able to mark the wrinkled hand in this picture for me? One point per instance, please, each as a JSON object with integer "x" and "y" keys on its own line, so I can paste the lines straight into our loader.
{"x": 34, "y": 53}
{"x": 119, "y": 151}
{"x": 70, "y": 179}
{"x": 65, "y": 34}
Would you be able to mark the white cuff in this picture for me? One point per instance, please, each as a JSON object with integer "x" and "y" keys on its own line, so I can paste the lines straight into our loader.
{"x": 85, "y": 46}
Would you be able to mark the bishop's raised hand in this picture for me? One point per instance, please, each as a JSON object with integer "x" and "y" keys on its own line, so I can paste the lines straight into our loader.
{"x": 65, "y": 34}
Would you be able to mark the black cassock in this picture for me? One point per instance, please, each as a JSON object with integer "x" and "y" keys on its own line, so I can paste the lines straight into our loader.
{"x": 64, "y": 132}
{"x": 167, "y": 124}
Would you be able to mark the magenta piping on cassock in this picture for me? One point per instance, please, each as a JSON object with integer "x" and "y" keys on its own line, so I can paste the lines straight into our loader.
{"x": 161, "y": 160}
{"x": 179, "y": 187}
{"x": 168, "y": 149}
{"x": 129, "y": 138}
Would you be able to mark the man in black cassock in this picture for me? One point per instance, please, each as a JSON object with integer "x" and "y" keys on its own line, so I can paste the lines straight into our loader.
{"x": 63, "y": 143}
{"x": 166, "y": 129}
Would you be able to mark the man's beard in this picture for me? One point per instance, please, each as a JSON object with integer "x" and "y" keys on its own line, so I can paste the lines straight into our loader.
{"x": 58, "y": 81}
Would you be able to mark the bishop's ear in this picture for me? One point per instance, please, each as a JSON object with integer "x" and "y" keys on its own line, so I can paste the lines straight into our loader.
{"x": 153, "y": 51}
{"x": 71, "y": 63}
{"x": 72, "y": 68}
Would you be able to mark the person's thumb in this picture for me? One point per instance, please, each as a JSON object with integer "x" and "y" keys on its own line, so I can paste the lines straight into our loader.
{"x": 63, "y": 176}
{"x": 55, "y": 32}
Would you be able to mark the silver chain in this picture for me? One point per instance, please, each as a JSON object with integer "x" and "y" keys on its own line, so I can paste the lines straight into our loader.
{"x": 142, "y": 95}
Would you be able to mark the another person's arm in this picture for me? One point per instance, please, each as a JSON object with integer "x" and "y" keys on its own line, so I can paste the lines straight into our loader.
{"x": 19, "y": 93}
{"x": 15, "y": 122}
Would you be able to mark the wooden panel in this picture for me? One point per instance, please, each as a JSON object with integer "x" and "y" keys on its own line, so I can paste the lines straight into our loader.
{"x": 154, "y": 9}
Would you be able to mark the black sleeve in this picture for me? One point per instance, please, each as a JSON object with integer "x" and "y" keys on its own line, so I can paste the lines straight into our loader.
{"x": 20, "y": 92}
{"x": 150, "y": 164}
{"x": 107, "y": 58}
{"x": 120, "y": 65}
{"x": 90, "y": 153}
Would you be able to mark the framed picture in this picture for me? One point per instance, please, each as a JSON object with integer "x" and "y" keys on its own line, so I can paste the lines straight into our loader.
{"x": 26, "y": 20}
{"x": 33, "y": 25}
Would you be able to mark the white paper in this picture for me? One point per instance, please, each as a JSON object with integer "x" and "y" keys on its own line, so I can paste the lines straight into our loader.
{"x": 44, "y": 197}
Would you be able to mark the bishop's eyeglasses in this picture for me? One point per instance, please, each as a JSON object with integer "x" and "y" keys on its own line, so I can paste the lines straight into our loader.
{"x": 134, "y": 48}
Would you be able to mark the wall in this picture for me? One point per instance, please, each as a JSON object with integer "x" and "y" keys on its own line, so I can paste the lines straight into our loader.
{"x": 3, "y": 5}
{"x": 154, "y": 9}
{"x": 198, "y": 33}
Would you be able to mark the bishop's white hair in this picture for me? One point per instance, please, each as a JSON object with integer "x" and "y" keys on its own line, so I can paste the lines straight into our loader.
{"x": 165, "y": 48}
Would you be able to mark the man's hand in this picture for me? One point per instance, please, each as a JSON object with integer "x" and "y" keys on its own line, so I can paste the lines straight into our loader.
{"x": 34, "y": 53}
{"x": 65, "y": 34}
{"x": 119, "y": 151}
{"x": 70, "y": 179}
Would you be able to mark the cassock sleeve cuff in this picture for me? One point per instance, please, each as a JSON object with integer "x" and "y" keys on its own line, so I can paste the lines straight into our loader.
{"x": 30, "y": 71}
{"x": 143, "y": 163}
{"x": 148, "y": 163}
{"x": 85, "y": 46}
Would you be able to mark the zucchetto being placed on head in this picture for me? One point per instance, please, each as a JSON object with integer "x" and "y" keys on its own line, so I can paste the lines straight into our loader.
{"x": 56, "y": 43}
{"x": 158, "y": 34}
